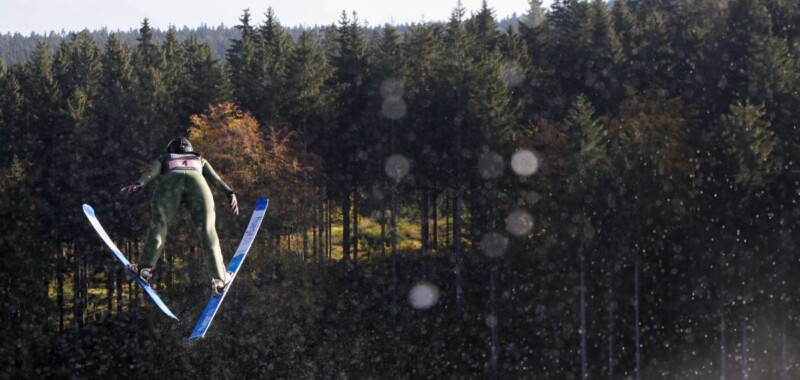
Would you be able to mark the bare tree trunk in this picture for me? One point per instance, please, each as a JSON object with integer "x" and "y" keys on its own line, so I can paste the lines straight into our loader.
{"x": 110, "y": 287}
{"x": 637, "y": 338}
{"x": 494, "y": 339}
{"x": 170, "y": 270}
{"x": 77, "y": 287}
{"x": 582, "y": 290}
{"x": 610, "y": 330}
{"x": 435, "y": 220}
{"x": 424, "y": 231}
{"x": 355, "y": 221}
{"x": 119, "y": 279}
{"x": 784, "y": 351}
{"x": 383, "y": 228}
{"x": 305, "y": 241}
{"x": 330, "y": 229}
{"x": 457, "y": 250}
{"x": 446, "y": 212}
{"x": 723, "y": 354}
{"x": 745, "y": 352}
{"x": 314, "y": 225}
{"x": 60, "y": 281}
{"x": 85, "y": 284}
{"x": 394, "y": 252}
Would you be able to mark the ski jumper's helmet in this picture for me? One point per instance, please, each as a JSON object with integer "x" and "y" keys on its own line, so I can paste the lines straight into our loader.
{"x": 180, "y": 145}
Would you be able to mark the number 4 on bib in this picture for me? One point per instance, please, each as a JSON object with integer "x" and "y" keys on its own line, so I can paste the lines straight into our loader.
{"x": 235, "y": 264}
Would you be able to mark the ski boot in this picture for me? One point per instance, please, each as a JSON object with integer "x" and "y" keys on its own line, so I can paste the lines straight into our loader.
{"x": 145, "y": 273}
{"x": 218, "y": 285}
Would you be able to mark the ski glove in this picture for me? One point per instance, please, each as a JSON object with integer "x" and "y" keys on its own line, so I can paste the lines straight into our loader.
{"x": 234, "y": 203}
{"x": 131, "y": 189}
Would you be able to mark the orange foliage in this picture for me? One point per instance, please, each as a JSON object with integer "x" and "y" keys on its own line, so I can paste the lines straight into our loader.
{"x": 253, "y": 160}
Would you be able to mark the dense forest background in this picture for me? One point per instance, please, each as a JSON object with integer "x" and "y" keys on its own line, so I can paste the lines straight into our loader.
{"x": 592, "y": 191}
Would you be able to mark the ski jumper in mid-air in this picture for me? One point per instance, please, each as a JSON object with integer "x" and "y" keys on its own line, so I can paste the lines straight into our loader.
{"x": 182, "y": 178}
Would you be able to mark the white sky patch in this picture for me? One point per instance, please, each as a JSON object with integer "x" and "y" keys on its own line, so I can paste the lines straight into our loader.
{"x": 41, "y": 16}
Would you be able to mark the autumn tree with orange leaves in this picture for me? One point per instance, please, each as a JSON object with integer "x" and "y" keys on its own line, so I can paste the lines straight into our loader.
{"x": 257, "y": 161}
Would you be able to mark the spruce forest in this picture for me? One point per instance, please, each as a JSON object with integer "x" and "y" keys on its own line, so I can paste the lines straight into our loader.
{"x": 596, "y": 190}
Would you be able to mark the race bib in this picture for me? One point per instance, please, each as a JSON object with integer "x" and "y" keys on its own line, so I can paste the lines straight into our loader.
{"x": 184, "y": 163}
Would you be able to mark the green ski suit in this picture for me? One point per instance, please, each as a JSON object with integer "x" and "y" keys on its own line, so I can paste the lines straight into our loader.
{"x": 182, "y": 179}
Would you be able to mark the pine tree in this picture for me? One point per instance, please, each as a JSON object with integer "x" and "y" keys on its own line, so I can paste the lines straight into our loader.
{"x": 25, "y": 263}
{"x": 352, "y": 78}
{"x": 176, "y": 109}
{"x": 747, "y": 21}
{"x": 604, "y": 61}
{"x": 11, "y": 102}
{"x": 772, "y": 77}
{"x": 306, "y": 90}
{"x": 541, "y": 85}
{"x": 204, "y": 81}
{"x": 41, "y": 110}
{"x": 750, "y": 144}
{"x": 152, "y": 94}
{"x": 278, "y": 46}
{"x": 656, "y": 54}
{"x": 588, "y": 144}
{"x": 117, "y": 137}
{"x": 572, "y": 31}
{"x": 246, "y": 66}
{"x": 483, "y": 27}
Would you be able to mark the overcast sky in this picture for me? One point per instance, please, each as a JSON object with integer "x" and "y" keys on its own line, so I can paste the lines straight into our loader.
{"x": 40, "y": 16}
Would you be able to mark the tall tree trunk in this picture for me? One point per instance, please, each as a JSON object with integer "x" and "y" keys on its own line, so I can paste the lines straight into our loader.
{"x": 110, "y": 286}
{"x": 394, "y": 252}
{"x": 314, "y": 237}
{"x": 582, "y": 291}
{"x": 457, "y": 249}
{"x": 330, "y": 229}
{"x": 85, "y": 284}
{"x": 745, "y": 351}
{"x": 346, "y": 228}
{"x": 637, "y": 340}
{"x": 723, "y": 353}
{"x": 305, "y": 241}
{"x": 494, "y": 339}
{"x": 170, "y": 270}
{"x": 424, "y": 231}
{"x": 60, "y": 285}
{"x": 784, "y": 350}
{"x": 435, "y": 220}
{"x": 77, "y": 286}
{"x": 355, "y": 221}
{"x": 610, "y": 330}
{"x": 446, "y": 212}
{"x": 119, "y": 279}
{"x": 383, "y": 228}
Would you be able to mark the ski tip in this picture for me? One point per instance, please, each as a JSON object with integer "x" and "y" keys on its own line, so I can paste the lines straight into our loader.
{"x": 262, "y": 203}
{"x": 88, "y": 210}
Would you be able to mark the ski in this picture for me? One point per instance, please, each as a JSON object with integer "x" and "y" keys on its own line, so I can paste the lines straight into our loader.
{"x": 235, "y": 264}
{"x": 89, "y": 211}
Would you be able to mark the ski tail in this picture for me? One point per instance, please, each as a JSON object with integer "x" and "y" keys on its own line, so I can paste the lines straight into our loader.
{"x": 235, "y": 264}
{"x": 90, "y": 214}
